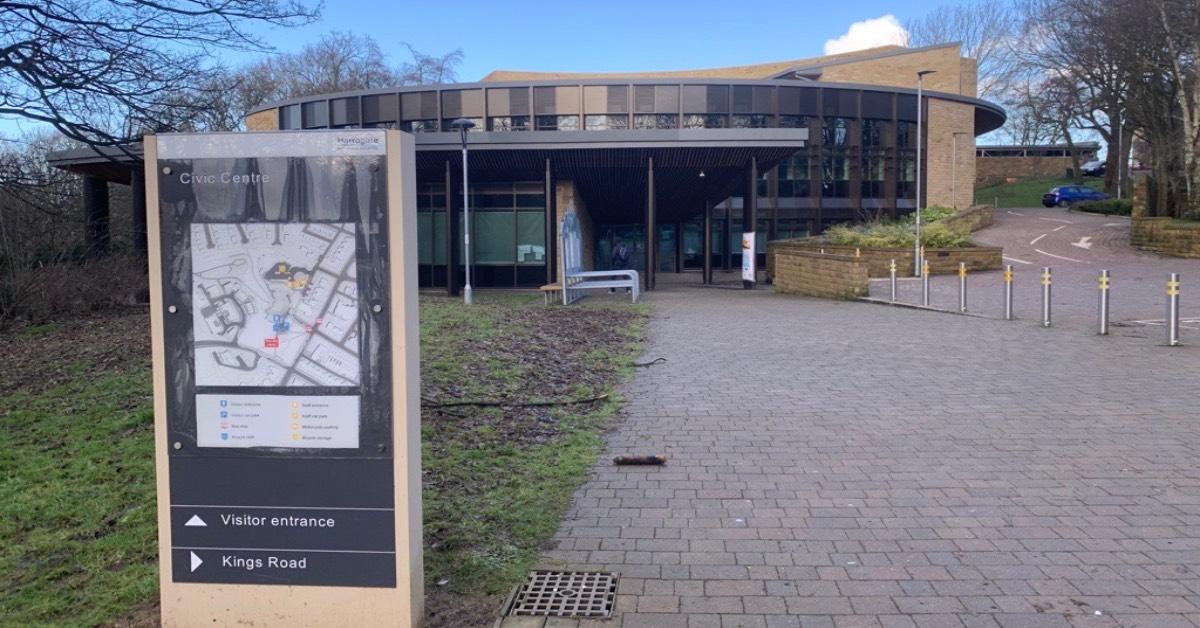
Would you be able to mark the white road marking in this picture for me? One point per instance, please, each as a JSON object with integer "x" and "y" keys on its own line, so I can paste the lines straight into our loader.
{"x": 1059, "y": 228}
{"x": 1019, "y": 261}
{"x": 1035, "y": 240}
{"x": 1055, "y": 220}
{"x": 1069, "y": 259}
{"x": 1016, "y": 213}
{"x": 1085, "y": 242}
{"x": 1115, "y": 224}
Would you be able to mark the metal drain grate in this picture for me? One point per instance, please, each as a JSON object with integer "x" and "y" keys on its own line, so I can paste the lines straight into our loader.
{"x": 565, "y": 594}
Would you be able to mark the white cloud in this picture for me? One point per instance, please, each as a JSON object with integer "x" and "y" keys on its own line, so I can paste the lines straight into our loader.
{"x": 880, "y": 31}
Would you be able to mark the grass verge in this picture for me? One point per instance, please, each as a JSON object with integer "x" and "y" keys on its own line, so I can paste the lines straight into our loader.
{"x": 77, "y": 507}
{"x": 1026, "y": 192}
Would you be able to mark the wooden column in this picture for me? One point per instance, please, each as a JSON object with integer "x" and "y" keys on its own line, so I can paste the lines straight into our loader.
{"x": 451, "y": 235}
{"x": 750, "y": 214}
{"x": 137, "y": 210}
{"x": 95, "y": 217}
{"x": 708, "y": 270}
{"x": 651, "y": 227}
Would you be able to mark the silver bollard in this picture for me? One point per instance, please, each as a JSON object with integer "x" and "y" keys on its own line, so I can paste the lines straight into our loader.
{"x": 1173, "y": 310}
{"x": 1008, "y": 288}
{"x": 1046, "y": 296}
{"x": 925, "y": 283}
{"x": 962, "y": 286}
{"x": 1104, "y": 285}
{"x": 892, "y": 270}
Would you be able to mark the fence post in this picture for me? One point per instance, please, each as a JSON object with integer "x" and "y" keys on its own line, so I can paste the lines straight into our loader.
{"x": 892, "y": 271}
{"x": 1046, "y": 296}
{"x": 925, "y": 282}
{"x": 962, "y": 286}
{"x": 1173, "y": 310}
{"x": 1104, "y": 285}
{"x": 1008, "y": 292}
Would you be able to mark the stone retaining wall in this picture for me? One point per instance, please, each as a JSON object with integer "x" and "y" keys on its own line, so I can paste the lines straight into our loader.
{"x": 1164, "y": 235}
{"x": 971, "y": 219}
{"x": 877, "y": 260}
{"x": 817, "y": 275}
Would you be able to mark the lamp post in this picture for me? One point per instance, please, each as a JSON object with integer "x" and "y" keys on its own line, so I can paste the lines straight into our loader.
{"x": 917, "y": 243}
{"x": 463, "y": 125}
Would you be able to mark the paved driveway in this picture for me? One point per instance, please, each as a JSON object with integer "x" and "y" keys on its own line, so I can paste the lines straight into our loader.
{"x": 849, "y": 464}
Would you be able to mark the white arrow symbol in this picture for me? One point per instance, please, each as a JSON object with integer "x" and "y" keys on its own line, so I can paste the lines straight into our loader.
{"x": 195, "y": 522}
{"x": 1085, "y": 242}
{"x": 196, "y": 562}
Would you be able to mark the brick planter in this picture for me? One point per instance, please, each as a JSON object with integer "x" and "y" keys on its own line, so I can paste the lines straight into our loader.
{"x": 1159, "y": 234}
{"x": 877, "y": 260}
{"x": 817, "y": 275}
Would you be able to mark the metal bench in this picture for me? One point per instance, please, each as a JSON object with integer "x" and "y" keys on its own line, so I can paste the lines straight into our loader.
{"x": 575, "y": 280}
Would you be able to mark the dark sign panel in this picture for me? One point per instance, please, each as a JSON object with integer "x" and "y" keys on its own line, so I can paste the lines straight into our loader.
{"x": 275, "y": 287}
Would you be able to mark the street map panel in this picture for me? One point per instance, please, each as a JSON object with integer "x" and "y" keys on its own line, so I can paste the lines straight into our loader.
{"x": 275, "y": 304}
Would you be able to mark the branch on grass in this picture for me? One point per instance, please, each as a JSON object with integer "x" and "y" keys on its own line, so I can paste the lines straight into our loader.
{"x": 650, "y": 363}
{"x": 510, "y": 403}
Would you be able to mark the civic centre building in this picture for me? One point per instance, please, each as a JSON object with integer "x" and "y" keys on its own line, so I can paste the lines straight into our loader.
{"x": 665, "y": 170}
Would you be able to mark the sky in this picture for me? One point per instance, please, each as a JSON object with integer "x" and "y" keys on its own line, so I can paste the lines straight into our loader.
{"x": 611, "y": 36}
{"x": 617, "y": 35}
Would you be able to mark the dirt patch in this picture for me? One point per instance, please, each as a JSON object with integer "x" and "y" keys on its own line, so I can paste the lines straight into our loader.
{"x": 40, "y": 357}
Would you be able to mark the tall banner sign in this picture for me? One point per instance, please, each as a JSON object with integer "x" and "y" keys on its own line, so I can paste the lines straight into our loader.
{"x": 748, "y": 260}
{"x": 286, "y": 385}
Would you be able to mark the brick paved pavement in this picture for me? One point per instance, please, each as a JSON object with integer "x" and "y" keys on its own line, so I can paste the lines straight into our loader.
{"x": 843, "y": 464}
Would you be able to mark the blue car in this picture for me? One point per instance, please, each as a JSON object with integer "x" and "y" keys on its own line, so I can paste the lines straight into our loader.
{"x": 1068, "y": 195}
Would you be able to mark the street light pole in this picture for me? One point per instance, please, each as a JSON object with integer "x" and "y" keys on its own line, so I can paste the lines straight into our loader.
{"x": 917, "y": 243}
{"x": 463, "y": 125}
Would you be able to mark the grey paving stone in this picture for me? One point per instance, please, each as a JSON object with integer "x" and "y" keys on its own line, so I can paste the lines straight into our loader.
{"x": 847, "y": 461}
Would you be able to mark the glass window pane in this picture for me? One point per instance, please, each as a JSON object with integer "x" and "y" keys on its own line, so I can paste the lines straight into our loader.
{"x": 493, "y": 237}
{"x": 425, "y": 240}
{"x": 439, "y": 238}
{"x": 531, "y": 238}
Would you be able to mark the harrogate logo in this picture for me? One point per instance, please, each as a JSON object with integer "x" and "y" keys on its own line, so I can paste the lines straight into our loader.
{"x": 358, "y": 142}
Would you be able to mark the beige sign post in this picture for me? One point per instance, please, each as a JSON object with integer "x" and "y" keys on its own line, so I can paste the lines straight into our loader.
{"x": 283, "y": 274}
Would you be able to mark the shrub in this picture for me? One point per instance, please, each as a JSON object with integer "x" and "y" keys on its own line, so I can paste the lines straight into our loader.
{"x": 65, "y": 289}
{"x": 1109, "y": 207}
{"x": 929, "y": 215}
{"x": 896, "y": 235}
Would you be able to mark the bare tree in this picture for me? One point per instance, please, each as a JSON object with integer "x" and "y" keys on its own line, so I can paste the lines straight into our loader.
{"x": 85, "y": 67}
{"x": 1029, "y": 121}
{"x": 986, "y": 31}
{"x": 1078, "y": 41}
{"x": 337, "y": 62}
{"x": 1180, "y": 24}
{"x": 427, "y": 69}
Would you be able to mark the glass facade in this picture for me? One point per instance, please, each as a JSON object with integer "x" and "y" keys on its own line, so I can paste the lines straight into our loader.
{"x": 859, "y": 161}
{"x": 508, "y": 234}
{"x": 656, "y": 121}
{"x": 558, "y": 123}
{"x": 603, "y": 122}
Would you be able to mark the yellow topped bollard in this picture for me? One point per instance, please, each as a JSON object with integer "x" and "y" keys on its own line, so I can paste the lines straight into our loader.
{"x": 1008, "y": 292}
{"x": 924, "y": 282}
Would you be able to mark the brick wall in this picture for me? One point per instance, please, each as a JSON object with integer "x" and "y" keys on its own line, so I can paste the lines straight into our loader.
{"x": 996, "y": 169}
{"x": 266, "y": 120}
{"x": 955, "y": 74}
{"x": 816, "y": 275}
{"x": 1164, "y": 235}
{"x": 950, "y": 155}
{"x": 878, "y": 260}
